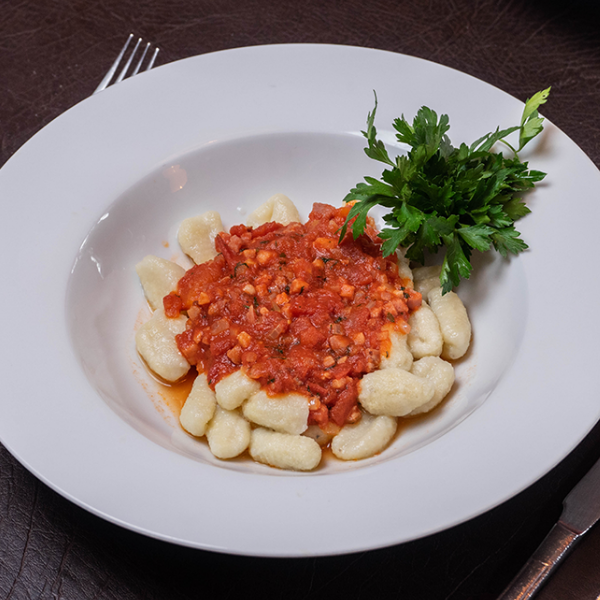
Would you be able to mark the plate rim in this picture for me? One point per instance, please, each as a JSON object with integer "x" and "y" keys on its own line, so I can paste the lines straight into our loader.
{"x": 112, "y": 98}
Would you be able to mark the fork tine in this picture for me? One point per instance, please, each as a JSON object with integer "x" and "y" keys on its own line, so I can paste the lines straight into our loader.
{"x": 139, "y": 64}
{"x": 151, "y": 63}
{"x": 112, "y": 70}
{"x": 128, "y": 63}
{"x": 106, "y": 81}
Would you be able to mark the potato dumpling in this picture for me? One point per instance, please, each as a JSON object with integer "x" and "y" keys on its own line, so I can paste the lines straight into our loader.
{"x": 316, "y": 433}
{"x": 454, "y": 322}
{"x": 197, "y": 235}
{"x": 199, "y": 407}
{"x": 439, "y": 373}
{"x": 234, "y": 389}
{"x": 158, "y": 277}
{"x": 399, "y": 356}
{"x": 426, "y": 278}
{"x": 403, "y": 264}
{"x": 278, "y": 208}
{"x": 228, "y": 433}
{"x": 155, "y": 341}
{"x": 364, "y": 439}
{"x": 425, "y": 336}
{"x": 287, "y": 413}
{"x": 283, "y": 450}
{"x": 393, "y": 392}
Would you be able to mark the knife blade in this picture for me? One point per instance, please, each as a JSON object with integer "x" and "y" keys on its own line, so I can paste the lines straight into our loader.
{"x": 581, "y": 511}
{"x": 582, "y": 505}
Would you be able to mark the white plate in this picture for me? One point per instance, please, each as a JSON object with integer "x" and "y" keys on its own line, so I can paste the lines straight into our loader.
{"x": 109, "y": 181}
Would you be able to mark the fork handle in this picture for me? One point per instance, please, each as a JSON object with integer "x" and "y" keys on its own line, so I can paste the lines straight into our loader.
{"x": 537, "y": 569}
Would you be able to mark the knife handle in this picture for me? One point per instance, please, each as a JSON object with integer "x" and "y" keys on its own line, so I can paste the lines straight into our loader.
{"x": 551, "y": 551}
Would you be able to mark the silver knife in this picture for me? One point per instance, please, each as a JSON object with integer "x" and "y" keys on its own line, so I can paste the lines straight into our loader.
{"x": 581, "y": 510}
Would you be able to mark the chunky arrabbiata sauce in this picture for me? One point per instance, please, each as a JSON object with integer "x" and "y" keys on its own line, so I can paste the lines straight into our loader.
{"x": 298, "y": 311}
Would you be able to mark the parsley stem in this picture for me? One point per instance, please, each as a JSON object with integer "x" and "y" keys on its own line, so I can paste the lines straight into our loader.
{"x": 510, "y": 146}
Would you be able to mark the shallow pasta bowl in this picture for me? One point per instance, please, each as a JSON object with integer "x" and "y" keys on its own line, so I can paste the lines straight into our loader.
{"x": 109, "y": 181}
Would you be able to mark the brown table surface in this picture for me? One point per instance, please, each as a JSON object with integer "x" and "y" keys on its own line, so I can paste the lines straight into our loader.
{"x": 53, "y": 54}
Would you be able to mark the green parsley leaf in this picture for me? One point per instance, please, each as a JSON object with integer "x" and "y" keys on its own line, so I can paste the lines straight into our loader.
{"x": 531, "y": 122}
{"x": 456, "y": 265}
{"x": 477, "y": 236}
{"x": 507, "y": 240}
{"x": 376, "y": 148}
{"x": 463, "y": 199}
{"x": 515, "y": 209}
{"x": 485, "y": 143}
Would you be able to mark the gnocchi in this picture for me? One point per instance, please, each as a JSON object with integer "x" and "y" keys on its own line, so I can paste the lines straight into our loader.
{"x": 284, "y": 450}
{"x": 278, "y": 208}
{"x": 155, "y": 341}
{"x": 197, "y": 235}
{"x": 238, "y": 414}
{"x": 366, "y": 438}
{"x": 287, "y": 413}
{"x": 232, "y": 390}
{"x": 426, "y": 278}
{"x": 199, "y": 407}
{"x": 316, "y": 433}
{"x": 425, "y": 336}
{"x": 404, "y": 265}
{"x": 399, "y": 356}
{"x": 440, "y": 374}
{"x": 228, "y": 433}
{"x": 158, "y": 277}
{"x": 454, "y": 322}
{"x": 393, "y": 392}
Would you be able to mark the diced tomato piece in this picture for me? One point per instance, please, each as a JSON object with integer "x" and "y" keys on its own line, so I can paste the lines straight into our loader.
{"x": 322, "y": 212}
{"x": 229, "y": 255}
{"x": 265, "y": 229}
{"x": 172, "y": 305}
{"x": 344, "y": 405}
{"x": 238, "y": 230}
{"x": 319, "y": 417}
{"x": 414, "y": 299}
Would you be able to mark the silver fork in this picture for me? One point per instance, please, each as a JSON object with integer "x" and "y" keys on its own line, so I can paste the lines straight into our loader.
{"x": 109, "y": 75}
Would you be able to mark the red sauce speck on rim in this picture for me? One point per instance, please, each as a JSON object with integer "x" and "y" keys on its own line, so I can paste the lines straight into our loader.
{"x": 297, "y": 310}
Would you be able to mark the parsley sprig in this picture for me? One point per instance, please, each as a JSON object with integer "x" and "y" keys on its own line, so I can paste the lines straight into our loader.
{"x": 464, "y": 198}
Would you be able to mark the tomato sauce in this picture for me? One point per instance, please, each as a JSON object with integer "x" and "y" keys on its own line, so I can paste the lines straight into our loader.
{"x": 297, "y": 310}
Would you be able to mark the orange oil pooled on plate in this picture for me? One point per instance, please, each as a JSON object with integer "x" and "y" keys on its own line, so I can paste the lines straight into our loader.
{"x": 175, "y": 394}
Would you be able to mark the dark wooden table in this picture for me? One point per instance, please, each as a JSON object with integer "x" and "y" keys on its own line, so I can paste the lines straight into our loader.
{"x": 53, "y": 54}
